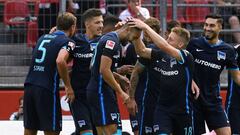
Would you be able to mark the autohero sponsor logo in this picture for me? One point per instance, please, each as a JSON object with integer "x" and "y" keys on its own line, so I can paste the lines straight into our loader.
{"x": 81, "y": 55}
{"x": 166, "y": 73}
{"x": 207, "y": 64}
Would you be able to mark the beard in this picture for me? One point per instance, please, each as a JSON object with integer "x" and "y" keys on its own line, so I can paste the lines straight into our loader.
{"x": 210, "y": 36}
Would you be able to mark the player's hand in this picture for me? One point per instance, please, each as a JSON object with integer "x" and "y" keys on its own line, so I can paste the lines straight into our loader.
{"x": 195, "y": 90}
{"x": 119, "y": 24}
{"x": 125, "y": 69}
{"x": 132, "y": 106}
{"x": 53, "y": 29}
{"x": 137, "y": 23}
{"x": 124, "y": 83}
{"x": 69, "y": 94}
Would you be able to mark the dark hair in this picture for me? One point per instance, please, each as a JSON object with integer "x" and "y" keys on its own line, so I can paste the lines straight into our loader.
{"x": 90, "y": 13}
{"x": 65, "y": 21}
{"x": 110, "y": 20}
{"x": 215, "y": 16}
{"x": 172, "y": 24}
{"x": 154, "y": 23}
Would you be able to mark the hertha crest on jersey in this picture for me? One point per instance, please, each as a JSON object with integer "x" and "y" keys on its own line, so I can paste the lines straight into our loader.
{"x": 110, "y": 44}
{"x": 221, "y": 55}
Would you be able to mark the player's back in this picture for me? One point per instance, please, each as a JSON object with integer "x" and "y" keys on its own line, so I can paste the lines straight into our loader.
{"x": 109, "y": 45}
{"x": 43, "y": 70}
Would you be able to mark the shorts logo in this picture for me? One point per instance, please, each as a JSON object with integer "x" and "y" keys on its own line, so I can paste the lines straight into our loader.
{"x": 155, "y": 128}
{"x": 81, "y": 123}
{"x": 134, "y": 123}
{"x": 110, "y": 44}
{"x": 113, "y": 116}
{"x": 148, "y": 130}
{"x": 221, "y": 55}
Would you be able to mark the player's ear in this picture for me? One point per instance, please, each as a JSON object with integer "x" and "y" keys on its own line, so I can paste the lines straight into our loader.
{"x": 181, "y": 45}
{"x": 86, "y": 24}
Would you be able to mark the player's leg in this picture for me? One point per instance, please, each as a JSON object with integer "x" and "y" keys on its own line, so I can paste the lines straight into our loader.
{"x": 104, "y": 110}
{"x": 217, "y": 120}
{"x": 233, "y": 108}
{"x": 134, "y": 124}
{"x": 234, "y": 118}
{"x": 51, "y": 132}
{"x": 30, "y": 115}
{"x": 30, "y": 132}
{"x": 198, "y": 118}
{"x": 49, "y": 111}
{"x": 223, "y": 131}
{"x": 183, "y": 124}
{"x": 81, "y": 117}
{"x": 147, "y": 112}
{"x": 162, "y": 122}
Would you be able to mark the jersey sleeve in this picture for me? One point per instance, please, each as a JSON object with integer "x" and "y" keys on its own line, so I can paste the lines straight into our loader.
{"x": 232, "y": 60}
{"x": 70, "y": 47}
{"x": 109, "y": 48}
{"x": 187, "y": 58}
{"x": 143, "y": 61}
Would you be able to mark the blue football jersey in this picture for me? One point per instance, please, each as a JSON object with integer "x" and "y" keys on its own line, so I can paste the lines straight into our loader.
{"x": 43, "y": 71}
{"x": 109, "y": 45}
{"x": 82, "y": 56}
{"x": 170, "y": 79}
{"x": 209, "y": 61}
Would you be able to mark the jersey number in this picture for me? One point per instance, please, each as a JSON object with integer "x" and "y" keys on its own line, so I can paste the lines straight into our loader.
{"x": 43, "y": 50}
{"x": 188, "y": 130}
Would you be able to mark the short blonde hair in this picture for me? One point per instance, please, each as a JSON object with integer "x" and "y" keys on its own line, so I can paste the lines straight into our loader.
{"x": 183, "y": 33}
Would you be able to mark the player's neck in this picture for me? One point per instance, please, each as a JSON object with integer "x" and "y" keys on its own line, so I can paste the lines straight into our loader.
{"x": 89, "y": 35}
{"x": 213, "y": 41}
{"x": 67, "y": 33}
{"x": 121, "y": 34}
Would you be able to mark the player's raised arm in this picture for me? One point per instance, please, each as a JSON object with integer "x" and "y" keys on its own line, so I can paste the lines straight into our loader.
{"x": 141, "y": 50}
{"x": 157, "y": 39}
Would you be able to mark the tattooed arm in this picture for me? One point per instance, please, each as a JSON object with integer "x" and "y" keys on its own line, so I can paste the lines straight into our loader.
{"x": 132, "y": 106}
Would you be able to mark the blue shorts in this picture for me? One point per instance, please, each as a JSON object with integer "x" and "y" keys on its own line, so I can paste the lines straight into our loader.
{"x": 147, "y": 112}
{"x": 170, "y": 122}
{"x": 233, "y": 108}
{"x": 104, "y": 107}
{"x": 234, "y": 118}
{"x": 134, "y": 122}
{"x": 214, "y": 115}
{"x": 81, "y": 113}
{"x": 41, "y": 108}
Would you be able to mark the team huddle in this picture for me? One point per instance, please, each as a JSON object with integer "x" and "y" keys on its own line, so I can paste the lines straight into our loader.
{"x": 170, "y": 85}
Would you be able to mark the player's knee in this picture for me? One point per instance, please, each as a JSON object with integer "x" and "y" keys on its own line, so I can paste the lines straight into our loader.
{"x": 223, "y": 131}
{"x": 111, "y": 129}
{"x": 118, "y": 132}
